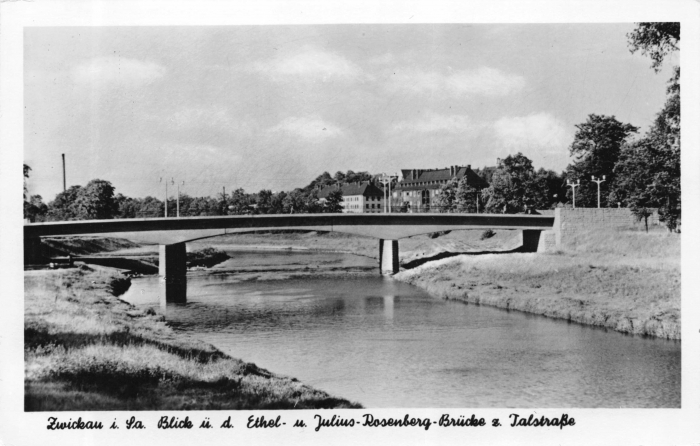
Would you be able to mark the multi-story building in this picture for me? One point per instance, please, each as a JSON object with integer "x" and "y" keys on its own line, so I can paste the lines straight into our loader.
{"x": 418, "y": 188}
{"x": 362, "y": 198}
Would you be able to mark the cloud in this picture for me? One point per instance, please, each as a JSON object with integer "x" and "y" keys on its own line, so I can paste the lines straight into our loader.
{"x": 383, "y": 59}
{"x": 114, "y": 70}
{"x": 540, "y": 132}
{"x": 483, "y": 81}
{"x": 433, "y": 122}
{"x": 309, "y": 128}
{"x": 309, "y": 63}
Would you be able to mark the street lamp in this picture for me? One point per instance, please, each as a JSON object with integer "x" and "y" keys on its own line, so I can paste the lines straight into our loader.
{"x": 598, "y": 181}
{"x": 178, "y": 198}
{"x": 573, "y": 187}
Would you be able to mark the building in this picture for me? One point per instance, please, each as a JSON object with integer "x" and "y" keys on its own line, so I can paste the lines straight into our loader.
{"x": 418, "y": 188}
{"x": 360, "y": 198}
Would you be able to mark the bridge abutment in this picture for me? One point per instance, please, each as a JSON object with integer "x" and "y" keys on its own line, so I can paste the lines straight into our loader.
{"x": 388, "y": 256}
{"x": 172, "y": 272}
{"x": 537, "y": 241}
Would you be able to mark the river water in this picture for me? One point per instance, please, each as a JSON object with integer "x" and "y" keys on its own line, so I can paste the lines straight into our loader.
{"x": 384, "y": 343}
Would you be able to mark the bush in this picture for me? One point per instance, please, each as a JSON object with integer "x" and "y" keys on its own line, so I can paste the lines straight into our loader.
{"x": 487, "y": 234}
{"x": 205, "y": 257}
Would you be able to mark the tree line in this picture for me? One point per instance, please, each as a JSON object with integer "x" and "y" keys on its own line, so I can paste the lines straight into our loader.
{"x": 642, "y": 174}
{"x": 97, "y": 200}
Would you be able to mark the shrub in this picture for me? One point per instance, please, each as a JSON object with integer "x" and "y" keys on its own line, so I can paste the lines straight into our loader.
{"x": 487, "y": 234}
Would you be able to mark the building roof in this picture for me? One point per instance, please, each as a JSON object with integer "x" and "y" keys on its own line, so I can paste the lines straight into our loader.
{"x": 366, "y": 189}
{"x": 419, "y": 179}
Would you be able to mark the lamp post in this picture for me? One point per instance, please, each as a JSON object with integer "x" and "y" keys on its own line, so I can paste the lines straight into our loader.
{"x": 598, "y": 181}
{"x": 178, "y": 198}
{"x": 166, "y": 196}
{"x": 573, "y": 187}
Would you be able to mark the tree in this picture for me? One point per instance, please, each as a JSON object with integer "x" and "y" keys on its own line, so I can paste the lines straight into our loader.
{"x": 63, "y": 206}
{"x": 150, "y": 207}
{"x": 277, "y": 203}
{"x": 96, "y": 201}
{"x": 445, "y": 199}
{"x": 127, "y": 207}
{"x": 35, "y": 209}
{"x": 264, "y": 201}
{"x": 655, "y": 39}
{"x": 513, "y": 186}
{"x": 596, "y": 150}
{"x": 334, "y": 202}
{"x": 293, "y": 202}
{"x": 649, "y": 170}
{"x": 26, "y": 175}
{"x": 466, "y": 197}
{"x": 240, "y": 202}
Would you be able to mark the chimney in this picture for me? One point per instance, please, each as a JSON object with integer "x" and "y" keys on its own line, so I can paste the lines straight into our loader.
{"x": 452, "y": 171}
{"x": 469, "y": 167}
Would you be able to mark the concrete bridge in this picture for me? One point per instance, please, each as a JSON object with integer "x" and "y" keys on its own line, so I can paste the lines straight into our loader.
{"x": 172, "y": 234}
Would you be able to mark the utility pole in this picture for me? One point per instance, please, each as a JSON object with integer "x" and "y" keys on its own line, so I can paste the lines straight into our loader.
{"x": 166, "y": 196}
{"x": 178, "y": 198}
{"x": 598, "y": 181}
{"x": 573, "y": 187}
{"x": 63, "y": 157}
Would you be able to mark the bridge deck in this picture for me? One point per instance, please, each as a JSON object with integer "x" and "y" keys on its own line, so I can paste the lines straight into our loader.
{"x": 383, "y": 226}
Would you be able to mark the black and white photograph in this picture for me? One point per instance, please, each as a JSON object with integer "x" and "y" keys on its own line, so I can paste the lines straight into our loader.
{"x": 370, "y": 223}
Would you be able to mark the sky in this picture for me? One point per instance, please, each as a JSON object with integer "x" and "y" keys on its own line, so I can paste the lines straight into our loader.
{"x": 272, "y": 107}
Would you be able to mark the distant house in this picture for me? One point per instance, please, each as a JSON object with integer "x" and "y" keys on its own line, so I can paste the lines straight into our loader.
{"x": 418, "y": 188}
{"x": 360, "y": 198}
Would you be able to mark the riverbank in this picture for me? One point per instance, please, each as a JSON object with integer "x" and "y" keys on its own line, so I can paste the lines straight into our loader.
{"x": 625, "y": 280}
{"x": 85, "y": 349}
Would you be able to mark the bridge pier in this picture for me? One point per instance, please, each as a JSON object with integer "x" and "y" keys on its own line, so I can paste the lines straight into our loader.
{"x": 388, "y": 256}
{"x": 172, "y": 272}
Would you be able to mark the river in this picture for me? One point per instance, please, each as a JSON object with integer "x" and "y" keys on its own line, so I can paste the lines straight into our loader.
{"x": 384, "y": 343}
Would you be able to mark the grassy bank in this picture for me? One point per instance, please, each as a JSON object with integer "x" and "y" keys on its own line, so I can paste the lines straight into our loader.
{"x": 87, "y": 350}
{"x": 623, "y": 280}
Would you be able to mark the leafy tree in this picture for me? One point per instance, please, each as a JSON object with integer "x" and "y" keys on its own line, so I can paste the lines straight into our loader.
{"x": 127, "y": 207}
{"x": 596, "y": 150}
{"x": 63, "y": 206}
{"x": 239, "y": 203}
{"x": 96, "y": 201}
{"x": 513, "y": 186}
{"x": 35, "y": 210}
{"x": 445, "y": 199}
{"x": 277, "y": 203}
{"x": 457, "y": 196}
{"x": 27, "y": 169}
{"x": 150, "y": 207}
{"x": 547, "y": 189}
{"x": 264, "y": 201}
{"x": 311, "y": 204}
{"x": 649, "y": 170}
{"x": 333, "y": 203}
{"x": 466, "y": 197}
{"x": 655, "y": 39}
{"x": 293, "y": 202}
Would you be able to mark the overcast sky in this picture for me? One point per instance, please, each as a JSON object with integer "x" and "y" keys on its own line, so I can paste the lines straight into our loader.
{"x": 274, "y": 106}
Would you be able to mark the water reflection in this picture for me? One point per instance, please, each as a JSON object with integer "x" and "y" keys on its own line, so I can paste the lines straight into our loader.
{"x": 388, "y": 344}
